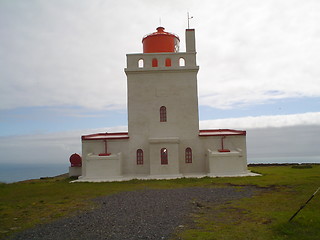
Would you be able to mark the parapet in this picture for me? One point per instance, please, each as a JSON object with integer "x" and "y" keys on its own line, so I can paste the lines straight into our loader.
{"x": 161, "y": 62}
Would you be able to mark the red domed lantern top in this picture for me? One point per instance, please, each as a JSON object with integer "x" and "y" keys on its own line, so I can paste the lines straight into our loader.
{"x": 160, "y": 41}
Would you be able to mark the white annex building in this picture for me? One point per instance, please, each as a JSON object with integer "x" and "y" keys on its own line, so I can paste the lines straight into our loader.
{"x": 163, "y": 139}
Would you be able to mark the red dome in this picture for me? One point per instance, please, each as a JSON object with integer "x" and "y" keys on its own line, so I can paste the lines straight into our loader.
{"x": 160, "y": 41}
{"x": 75, "y": 160}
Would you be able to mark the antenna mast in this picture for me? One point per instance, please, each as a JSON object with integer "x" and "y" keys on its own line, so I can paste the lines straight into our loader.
{"x": 189, "y": 20}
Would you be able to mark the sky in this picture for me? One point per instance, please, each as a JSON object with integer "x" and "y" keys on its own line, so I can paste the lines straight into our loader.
{"x": 62, "y": 70}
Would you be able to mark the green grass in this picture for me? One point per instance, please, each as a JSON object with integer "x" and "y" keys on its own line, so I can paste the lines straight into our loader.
{"x": 282, "y": 190}
{"x": 266, "y": 215}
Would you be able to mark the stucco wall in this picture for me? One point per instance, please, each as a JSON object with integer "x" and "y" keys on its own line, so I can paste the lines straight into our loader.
{"x": 226, "y": 163}
{"x": 103, "y": 166}
{"x": 176, "y": 90}
{"x": 205, "y": 156}
{"x": 94, "y": 148}
{"x": 172, "y": 147}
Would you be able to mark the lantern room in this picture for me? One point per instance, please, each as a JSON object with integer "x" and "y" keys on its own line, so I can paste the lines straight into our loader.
{"x": 160, "y": 41}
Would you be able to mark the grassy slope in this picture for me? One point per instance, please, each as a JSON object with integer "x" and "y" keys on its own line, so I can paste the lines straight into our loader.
{"x": 263, "y": 216}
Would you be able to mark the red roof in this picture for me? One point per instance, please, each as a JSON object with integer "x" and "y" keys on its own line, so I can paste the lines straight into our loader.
{"x": 221, "y": 132}
{"x": 106, "y": 136}
{"x": 160, "y": 31}
{"x": 202, "y": 133}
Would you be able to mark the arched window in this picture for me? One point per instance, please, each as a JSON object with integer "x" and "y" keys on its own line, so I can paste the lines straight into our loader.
{"x": 188, "y": 155}
{"x": 182, "y": 62}
{"x": 168, "y": 62}
{"x": 139, "y": 157}
{"x": 140, "y": 63}
{"x": 163, "y": 114}
{"x": 164, "y": 156}
{"x": 154, "y": 62}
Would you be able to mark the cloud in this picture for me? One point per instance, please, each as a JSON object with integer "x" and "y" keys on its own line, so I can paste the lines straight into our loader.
{"x": 59, "y": 53}
{"x": 294, "y": 135}
{"x": 264, "y": 48}
{"x": 297, "y": 135}
{"x": 45, "y": 148}
{"x": 275, "y": 121}
{"x": 296, "y": 141}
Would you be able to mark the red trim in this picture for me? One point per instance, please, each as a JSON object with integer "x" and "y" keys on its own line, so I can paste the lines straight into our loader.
{"x": 222, "y": 146}
{"x": 221, "y": 132}
{"x": 224, "y": 150}
{"x": 104, "y": 136}
{"x": 105, "y": 149}
{"x": 104, "y": 154}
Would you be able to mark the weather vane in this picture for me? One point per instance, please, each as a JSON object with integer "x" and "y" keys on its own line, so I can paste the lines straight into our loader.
{"x": 189, "y": 20}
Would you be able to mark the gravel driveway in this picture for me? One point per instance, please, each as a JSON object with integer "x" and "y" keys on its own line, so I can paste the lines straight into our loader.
{"x": 142, "y": 214}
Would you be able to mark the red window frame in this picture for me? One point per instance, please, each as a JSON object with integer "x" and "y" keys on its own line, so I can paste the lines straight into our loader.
{"x": 163, "y": 114}
{"x": 188, "y": 155}
{"x": 168, "y": 62}
{"x": 154, "y": 62}
{"x": 164, "y": 156}
{"x": 139, "y": 157}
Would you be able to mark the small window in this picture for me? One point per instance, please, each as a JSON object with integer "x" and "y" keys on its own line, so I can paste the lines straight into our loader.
{"x": 163, "y": 114}
{"x": 139, "y": 157}
{"x": 188, "y": 155}
{"x": 182, "y": 62}
{"x": 140, "y": 63}
{"x": 154, "y": 62}
{"x": 164, "y": 156}
{"x": 168, "y": 62}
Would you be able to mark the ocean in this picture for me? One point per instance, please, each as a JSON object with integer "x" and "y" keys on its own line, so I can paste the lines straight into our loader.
{"x": 10, "y": 172}
{"x": 298, "y": 160}
{"x": 14, "y": 172}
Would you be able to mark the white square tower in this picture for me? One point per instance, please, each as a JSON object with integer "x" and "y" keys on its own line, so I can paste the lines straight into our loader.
{"x": 162, "y": 100}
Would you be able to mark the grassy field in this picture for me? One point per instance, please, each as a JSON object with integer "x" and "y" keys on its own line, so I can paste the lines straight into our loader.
{"x": 281, "y": 191}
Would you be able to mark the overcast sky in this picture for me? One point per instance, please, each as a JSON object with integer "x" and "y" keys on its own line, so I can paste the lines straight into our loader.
{"x": 62, "y": 61}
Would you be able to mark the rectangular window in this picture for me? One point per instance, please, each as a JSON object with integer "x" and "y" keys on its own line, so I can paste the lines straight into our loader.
{"x": 168, "y": 62}
{"x": 154, "y": 62}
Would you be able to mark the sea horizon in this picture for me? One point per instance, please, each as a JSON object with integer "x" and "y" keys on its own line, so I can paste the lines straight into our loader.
{"x": 15, "y": 172}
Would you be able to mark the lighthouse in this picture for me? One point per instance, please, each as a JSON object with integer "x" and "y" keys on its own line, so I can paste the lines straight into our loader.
{"x": 163, "y": 139}
{"x": 162, "y": 100}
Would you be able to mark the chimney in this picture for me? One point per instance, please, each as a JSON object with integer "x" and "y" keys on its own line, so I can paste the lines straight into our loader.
{"x": 190, "y": 40}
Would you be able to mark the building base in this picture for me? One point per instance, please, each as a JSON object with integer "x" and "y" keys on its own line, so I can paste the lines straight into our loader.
{"x": 160, "y": 177}
{"x": 75, "y": 171}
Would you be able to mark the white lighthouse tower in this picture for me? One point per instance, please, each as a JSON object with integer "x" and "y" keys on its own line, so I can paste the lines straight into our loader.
{"x": 163, "y": 138}
{"x": 162, "y": 101}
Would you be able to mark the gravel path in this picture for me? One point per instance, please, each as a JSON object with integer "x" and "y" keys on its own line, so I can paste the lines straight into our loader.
{"x": 143, "y": 214}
